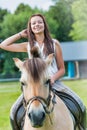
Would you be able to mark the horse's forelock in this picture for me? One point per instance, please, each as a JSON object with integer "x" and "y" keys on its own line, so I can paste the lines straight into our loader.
{"x": 35, "y": 68}
{"x": 35, "y": 52}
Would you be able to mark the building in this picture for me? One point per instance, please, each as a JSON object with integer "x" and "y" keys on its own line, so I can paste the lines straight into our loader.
{"x": 75, "y": 55}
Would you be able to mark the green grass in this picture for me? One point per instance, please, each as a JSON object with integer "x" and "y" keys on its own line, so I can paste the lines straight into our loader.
{"x": 80, "y": 87}
{"x": 9, "y": 92}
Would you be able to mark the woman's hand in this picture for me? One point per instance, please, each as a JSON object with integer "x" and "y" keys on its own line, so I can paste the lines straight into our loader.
{"x": 23, "y": 34}
{"x": 52, "y": 80}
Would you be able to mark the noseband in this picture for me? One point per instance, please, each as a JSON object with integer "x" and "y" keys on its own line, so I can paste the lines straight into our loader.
{"x": 45, "y": 102}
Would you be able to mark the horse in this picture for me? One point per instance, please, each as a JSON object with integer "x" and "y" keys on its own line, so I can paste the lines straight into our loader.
{"x": 44, "y": 110}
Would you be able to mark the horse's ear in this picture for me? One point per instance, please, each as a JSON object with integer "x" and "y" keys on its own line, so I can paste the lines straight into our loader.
{"x": 18, "y": 63}
{"x": 49, "y": 58}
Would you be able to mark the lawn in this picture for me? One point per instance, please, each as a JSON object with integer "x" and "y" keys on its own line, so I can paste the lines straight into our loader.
{"x": 9, "y": 91}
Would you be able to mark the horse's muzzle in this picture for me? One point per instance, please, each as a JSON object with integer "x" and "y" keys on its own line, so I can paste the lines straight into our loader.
{"x": 36, "y": 119}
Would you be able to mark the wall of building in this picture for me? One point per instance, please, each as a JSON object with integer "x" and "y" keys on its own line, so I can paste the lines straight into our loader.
{"x": 83, "y": 69}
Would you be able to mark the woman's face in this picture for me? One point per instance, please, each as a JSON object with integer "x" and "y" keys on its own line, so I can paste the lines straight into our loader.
{"x": 37, "y": 25}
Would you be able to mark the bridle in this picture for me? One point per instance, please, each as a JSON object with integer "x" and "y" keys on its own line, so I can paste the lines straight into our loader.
{"x": 45, "y": 102}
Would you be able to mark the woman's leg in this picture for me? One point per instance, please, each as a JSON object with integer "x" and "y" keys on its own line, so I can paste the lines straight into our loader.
{"x": 16, "y": 113}
{"x": 59, "y": 86}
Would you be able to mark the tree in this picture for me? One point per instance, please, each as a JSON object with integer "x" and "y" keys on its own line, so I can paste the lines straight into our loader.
{"x": 52, "y": 24}
{"x": 79, "y": 10}
{"x": 26, "y": 8}
{"x": 16, "y": 22}
{"x": 61, "y": 13}
{"x": 23, "y": 8}
{"x": 13, "y": 23}
{"x": 3, "y": 12}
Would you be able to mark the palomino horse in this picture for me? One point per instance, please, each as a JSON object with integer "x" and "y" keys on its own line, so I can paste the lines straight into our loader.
{"x": 44, "y": 110}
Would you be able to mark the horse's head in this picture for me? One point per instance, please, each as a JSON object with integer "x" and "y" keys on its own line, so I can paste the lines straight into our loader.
{"x": 34, "y": 80}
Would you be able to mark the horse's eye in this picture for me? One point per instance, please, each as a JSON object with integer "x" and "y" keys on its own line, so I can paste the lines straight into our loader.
{"x": 22, "y": 83}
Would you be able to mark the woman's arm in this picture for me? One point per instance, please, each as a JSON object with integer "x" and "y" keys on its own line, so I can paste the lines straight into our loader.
{"x": 60, "y": 63}
{"x": 10, "y": 45}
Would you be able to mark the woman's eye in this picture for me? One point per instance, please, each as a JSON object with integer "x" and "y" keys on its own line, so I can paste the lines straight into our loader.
{"x": 40, "y": 22}
{"x": 33, "y": 23}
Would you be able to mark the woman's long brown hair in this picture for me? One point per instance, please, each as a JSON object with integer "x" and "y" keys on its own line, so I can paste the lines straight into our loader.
{"x": 48, "y": 42}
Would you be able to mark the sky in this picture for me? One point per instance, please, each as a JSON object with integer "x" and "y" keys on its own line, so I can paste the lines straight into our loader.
{"x": 11, "y": 5}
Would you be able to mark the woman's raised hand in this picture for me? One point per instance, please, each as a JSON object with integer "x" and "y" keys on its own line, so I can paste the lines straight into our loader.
{"x": 23, "y": 34}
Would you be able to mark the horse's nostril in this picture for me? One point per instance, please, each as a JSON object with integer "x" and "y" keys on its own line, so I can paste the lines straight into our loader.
{"x": 36, "y": 118}
{"x": 29, "y": 115}
{"x": 43, "y": 115}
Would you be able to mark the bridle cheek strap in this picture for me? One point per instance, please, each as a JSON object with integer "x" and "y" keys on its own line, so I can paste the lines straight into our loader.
{"x": 47, "y": 110}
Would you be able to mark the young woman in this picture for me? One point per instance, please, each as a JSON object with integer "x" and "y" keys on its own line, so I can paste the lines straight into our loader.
{"x": 38, "y": 35}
